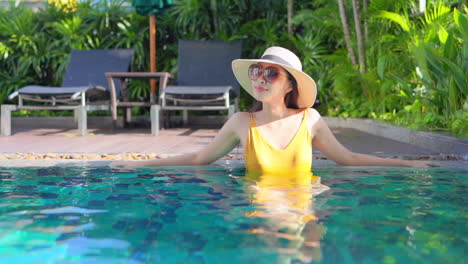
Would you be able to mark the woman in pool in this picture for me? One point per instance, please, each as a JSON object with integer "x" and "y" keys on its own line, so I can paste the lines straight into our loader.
{"x": 278, "y": 134}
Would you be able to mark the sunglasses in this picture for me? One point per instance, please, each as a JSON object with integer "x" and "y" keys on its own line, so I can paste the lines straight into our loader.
{"x": 270, "y": 74}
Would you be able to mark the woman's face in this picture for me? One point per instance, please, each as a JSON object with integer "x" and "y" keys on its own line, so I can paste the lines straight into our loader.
{"x": 270, "y": 82}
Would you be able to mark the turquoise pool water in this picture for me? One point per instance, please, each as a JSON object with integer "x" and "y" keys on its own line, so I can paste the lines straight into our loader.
{"x": 215, "y": 215}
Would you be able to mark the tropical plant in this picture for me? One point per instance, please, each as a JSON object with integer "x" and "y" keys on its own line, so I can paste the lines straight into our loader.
{"x": 438, "y": 43}
{"x": 386, "y": 60}
{"x": 34, "y": 46}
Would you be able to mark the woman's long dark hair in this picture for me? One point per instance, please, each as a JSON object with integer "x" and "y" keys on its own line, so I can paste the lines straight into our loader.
{"x": 290, "y": 100}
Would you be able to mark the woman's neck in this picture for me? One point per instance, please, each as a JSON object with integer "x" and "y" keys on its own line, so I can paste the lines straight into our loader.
{"x": 272, "y": 112}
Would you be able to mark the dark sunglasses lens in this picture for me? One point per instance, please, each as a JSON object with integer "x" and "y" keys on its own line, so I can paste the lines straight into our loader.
{"x": 254, "y": 72}
{"x": 271, "y": 74}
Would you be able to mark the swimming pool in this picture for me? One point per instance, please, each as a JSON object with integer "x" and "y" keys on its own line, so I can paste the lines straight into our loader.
{"x": 216, "y": 215}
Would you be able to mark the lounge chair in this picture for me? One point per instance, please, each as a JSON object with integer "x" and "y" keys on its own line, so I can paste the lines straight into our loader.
{"x": 204, "y": 78}
{"x": 84, "y": 87}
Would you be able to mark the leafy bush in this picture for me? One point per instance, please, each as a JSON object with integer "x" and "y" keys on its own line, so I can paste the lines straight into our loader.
{"x": 417, "y": 64}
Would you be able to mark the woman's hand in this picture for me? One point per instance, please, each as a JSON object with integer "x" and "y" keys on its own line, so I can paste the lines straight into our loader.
{"x": 422, "y": 163}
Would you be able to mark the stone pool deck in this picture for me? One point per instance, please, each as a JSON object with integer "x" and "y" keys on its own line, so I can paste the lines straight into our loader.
{"x": 108, "y": 144}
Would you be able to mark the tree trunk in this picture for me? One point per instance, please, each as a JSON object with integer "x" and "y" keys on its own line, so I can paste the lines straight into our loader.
{"x": 152, "y": 31}
{"x": 290, "y": 14}
{"x": 214, "y": 10}
{"x": 422, "y": 6}
{"x": 366, "y": 26}
{"x": 360, "y": 42}
{"x": 347, "y": 35}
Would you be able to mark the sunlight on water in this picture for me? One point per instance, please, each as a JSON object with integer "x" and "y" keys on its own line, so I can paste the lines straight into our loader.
{"x": 220, "y": 215}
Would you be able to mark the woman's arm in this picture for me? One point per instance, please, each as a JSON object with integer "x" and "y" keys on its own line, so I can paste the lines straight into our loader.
{"x": 329, "y": 145}
{"x": 223, "y": 143}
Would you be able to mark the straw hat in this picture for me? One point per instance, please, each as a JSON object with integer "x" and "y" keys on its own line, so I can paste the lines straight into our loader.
{"x": 289, "y": 61}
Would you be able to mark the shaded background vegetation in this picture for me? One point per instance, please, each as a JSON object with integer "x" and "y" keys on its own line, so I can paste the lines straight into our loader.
{"x": 398, "y": 64}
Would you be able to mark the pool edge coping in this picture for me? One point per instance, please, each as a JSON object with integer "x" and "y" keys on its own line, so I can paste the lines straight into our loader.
{"x": 439, "y": 143}
{"x": 317, "y": 164}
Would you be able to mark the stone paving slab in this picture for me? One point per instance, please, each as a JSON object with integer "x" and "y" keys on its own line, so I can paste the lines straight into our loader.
{"x": 170, "y": 141}
{"x": 436, "y": 142}
{"x": 106, "y": 141}
{"x": 102, "y": 140}
{"x": 360, "y": 135}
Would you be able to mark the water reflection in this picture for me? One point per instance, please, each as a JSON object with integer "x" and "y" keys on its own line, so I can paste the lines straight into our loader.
{"x": 285, "y": 204}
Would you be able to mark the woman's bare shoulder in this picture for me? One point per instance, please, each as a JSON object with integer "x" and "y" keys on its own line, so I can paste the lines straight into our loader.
{"x": 241, "y": 116}
{"x": 240, "y": 119}
{"x": 314, "y": 118}
{"x": 239, "y": 123}
{"x": 313, "y": 115}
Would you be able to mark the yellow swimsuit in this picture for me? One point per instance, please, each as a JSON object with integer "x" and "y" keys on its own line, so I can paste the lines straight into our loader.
{"x": 282, "y": 184}
{"x": 282, "y": 179}
{"x": 262, "y": 157}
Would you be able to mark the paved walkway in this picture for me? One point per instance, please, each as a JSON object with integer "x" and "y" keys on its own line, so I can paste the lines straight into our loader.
{"x": 106, "y": 141}
{"x": 170, "y": 141}
{"x": 180, "y": 140}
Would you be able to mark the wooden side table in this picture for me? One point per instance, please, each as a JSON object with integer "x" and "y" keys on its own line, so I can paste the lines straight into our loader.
{"x": 123, "y": 77}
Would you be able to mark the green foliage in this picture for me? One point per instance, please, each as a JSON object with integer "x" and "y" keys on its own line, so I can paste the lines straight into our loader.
{"x": 417, "y": 73}
{"x": 436, "y": 43}
{"x": 34, "y": 46}
{"x": 417, "y": 63}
